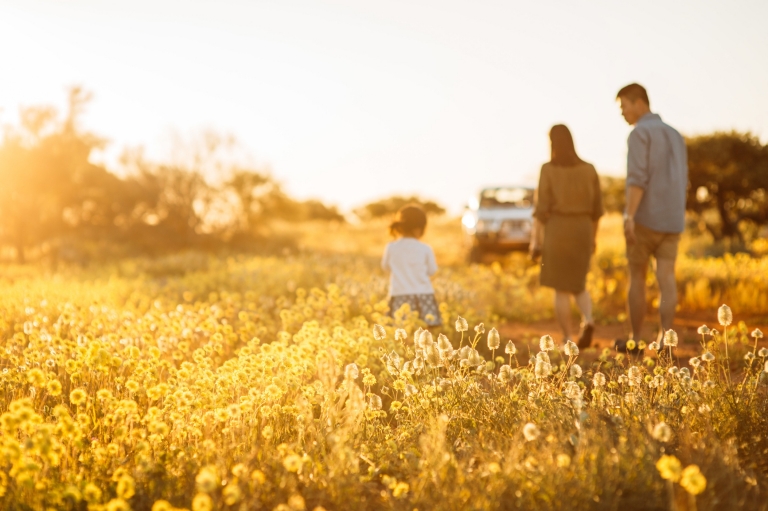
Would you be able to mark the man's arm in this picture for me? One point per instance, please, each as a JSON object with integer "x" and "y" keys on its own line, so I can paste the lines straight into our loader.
{"x": 638, "y": 176}
{"x": 634, "y": 196}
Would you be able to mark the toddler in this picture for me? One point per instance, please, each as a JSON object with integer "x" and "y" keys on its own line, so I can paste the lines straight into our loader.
{"x": 411, "y": 263}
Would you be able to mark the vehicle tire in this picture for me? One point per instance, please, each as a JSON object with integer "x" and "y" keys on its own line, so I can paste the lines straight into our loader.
{"x": 475, "y": 255}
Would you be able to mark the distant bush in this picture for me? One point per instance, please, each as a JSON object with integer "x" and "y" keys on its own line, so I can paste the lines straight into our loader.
{"x": 391, "y": 205}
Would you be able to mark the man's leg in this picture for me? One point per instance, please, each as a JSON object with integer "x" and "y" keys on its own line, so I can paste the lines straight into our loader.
{"x": 665, "y": 275}
{"x": 636, "y": 297}
{"x": 563, "y": 312}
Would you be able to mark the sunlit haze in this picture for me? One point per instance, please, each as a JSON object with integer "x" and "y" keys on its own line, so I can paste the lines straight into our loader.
{"x": 353, "y": 100}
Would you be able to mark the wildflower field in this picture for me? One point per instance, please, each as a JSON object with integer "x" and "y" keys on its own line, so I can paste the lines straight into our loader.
{"x": 280, "y": 382}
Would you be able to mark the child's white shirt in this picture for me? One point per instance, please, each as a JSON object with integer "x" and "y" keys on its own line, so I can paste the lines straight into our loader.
{"x": 411, "y": 263}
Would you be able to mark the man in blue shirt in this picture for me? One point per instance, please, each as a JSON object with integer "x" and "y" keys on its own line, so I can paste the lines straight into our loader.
{"x": 657, "y": 178}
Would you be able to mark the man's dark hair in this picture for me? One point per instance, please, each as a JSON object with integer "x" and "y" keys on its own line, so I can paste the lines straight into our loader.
{"x": 634, "y": 91}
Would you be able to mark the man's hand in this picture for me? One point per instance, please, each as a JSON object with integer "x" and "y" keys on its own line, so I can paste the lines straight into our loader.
{"x": 629, "y": 229}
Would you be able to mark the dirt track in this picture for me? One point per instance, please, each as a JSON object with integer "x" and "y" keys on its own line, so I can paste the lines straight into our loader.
{"x": 605, "y": 335}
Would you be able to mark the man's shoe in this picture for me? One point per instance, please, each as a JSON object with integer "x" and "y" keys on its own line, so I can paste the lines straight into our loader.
{"x": 585, "y": 339}
{"x": 621, "y": 347}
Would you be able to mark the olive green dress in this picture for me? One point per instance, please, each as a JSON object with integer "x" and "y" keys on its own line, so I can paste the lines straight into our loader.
{"x": 568, "y": 202}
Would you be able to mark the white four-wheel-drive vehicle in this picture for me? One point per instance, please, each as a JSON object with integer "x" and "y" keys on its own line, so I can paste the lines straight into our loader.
{"x": 499, "y": 220}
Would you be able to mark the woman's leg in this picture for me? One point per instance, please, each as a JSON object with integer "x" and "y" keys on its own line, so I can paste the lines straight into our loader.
{"x": 584, "y": 303}
{"x": 563, "y": 312}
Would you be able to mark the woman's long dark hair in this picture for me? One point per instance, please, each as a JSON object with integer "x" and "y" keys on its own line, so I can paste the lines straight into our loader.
{"x": 563, "y": 151}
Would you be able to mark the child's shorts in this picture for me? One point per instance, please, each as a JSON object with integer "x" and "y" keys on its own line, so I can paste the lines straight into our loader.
{"x": 425, "y": 305}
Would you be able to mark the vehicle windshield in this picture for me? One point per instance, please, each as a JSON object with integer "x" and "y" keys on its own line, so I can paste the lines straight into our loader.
{"x": 515, "y": 197}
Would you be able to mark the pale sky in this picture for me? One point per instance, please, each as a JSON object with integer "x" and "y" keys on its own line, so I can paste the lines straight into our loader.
{"x": 349, "y": 101}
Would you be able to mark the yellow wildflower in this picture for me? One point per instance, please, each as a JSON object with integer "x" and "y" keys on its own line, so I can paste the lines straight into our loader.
{"x": 693, "y": 480}
{"x": 669, "y": 467}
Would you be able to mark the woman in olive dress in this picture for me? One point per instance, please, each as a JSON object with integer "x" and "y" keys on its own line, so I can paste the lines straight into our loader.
{"x": 568, "y": 206}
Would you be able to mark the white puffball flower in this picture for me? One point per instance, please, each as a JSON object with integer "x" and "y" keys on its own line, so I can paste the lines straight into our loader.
{"x": 351, "y": 372}
{"x": 707, "y": 357}
{"x": 572, "y": 390}
{"x": 433, "y": 357}
{"x": 724, "y": 315}
{"x": 425, "y": 339}
{"x": 374, "y": 402}
{"x": 510, "y": 348}
{"x": 531, "y": 432}
{"x": 543, "y": 369}
{"x": 443, "y": 344}
{"x": 475, "y": 359}
{"x": 763, "y": 352}
{"x": 461, "y": 325}
{"x": 493, "y": 339}
{"x": 401, "y": 334}
{"x": 703, "y": 330}
{"x": 670, "y": 338}
{"x": 757, "y": 334}
{"x": 571, "y": 350}
{"x": 662, "y": 432}
{"x": 546, "y": 343}
{"x": 379, "y": 333}
{"x": 480, "y": 328}
{"x": 598, "y": 380}
{"x": 505, "y": 373}
{"x": 576, "y": 371}
{"x": 654, "y": 346}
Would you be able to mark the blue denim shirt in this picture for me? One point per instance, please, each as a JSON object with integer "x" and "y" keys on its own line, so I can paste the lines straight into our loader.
{"x": 657, "y": 162}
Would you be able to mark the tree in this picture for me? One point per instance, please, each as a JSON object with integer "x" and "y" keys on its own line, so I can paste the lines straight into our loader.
{"x": 45, "y": 175}
{"x": 728, "y": 173}
{"x": 614, "y": 193}
{"x": 391, "y": 205}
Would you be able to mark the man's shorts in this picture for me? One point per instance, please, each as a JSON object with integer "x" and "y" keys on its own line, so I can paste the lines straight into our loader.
{"x": 660, "y": 245}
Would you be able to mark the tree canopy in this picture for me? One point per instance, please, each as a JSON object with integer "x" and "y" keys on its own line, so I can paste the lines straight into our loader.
{"x": 728, "y": 173}
{"x": 391, "y": 205}
{"x": 53, "y": 199}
